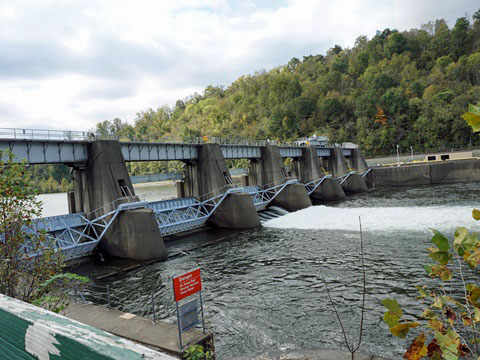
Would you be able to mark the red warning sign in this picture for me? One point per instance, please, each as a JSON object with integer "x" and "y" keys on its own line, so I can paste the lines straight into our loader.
{"x": 187, "y": 284}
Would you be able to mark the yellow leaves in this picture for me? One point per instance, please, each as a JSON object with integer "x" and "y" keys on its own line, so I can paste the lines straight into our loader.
{"x": 380, "y": 117}
{"x": 473, "y": 294}
{"x": 421, "y": 291}
{"x": 417, "y": 349}
{"x": 472, "y": 259}
{"x": 392, "y": 319}
{"x": 401, "y": 330}
{"x": 440, "y": 271}
{"x": 466, "y": 320}
{"x": 394, "y": 313}
{"x": 472, "y": 117}
{"x": 429, "y": 314}
{"x": 449, "y": 343}
{"x": 476, "y": 214}
{"x": 477, "y": 314}
{"x": 435, "y": 325}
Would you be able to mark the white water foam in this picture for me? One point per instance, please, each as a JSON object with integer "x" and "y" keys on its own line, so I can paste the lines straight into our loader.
{"x": 378, "y": 218}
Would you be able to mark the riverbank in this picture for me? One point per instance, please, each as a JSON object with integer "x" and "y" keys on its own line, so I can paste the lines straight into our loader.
{"x": 159, "y": 335}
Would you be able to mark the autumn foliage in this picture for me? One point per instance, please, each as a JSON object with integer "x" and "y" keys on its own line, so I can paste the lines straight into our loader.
{"x": 450, "y": 321}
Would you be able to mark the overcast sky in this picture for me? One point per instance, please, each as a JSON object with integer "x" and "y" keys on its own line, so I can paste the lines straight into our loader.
{"x": 70, "y": 64}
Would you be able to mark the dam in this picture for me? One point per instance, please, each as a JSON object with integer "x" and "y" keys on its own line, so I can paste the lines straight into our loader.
{"x": 106, "y": 213}
{"x": 263, "y": 286}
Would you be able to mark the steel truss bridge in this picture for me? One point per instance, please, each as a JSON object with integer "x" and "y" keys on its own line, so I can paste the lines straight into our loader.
{"x": 77, "y": 235}
{"x": 70, "y": 147}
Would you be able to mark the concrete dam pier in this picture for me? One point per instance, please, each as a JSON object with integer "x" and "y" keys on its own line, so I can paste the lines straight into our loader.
{"x": 207, "y": 188}
{"x": 103, "y": 184}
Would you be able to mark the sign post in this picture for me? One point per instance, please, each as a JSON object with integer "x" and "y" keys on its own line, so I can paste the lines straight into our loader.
{"x": 184, "y": 286}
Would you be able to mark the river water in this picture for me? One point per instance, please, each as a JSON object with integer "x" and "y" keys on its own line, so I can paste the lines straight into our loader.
{"x": 263, "y": 288}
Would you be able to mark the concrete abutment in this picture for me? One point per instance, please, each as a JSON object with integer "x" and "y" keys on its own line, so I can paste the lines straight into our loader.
{"x": 444, "y": 172}
{"x": 329, "y": 190}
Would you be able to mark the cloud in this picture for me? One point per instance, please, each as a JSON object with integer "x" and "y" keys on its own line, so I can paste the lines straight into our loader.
{"x": 70, "y": 64}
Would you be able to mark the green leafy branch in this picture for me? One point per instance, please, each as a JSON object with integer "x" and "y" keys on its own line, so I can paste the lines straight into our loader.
{"x": 472, "y": 117}
{"x": 450, "y": 322}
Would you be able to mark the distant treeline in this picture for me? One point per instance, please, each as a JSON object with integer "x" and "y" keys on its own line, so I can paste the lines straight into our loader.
{"x": 51, "y": 178}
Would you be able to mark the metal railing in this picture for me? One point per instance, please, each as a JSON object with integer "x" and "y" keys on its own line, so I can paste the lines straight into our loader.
{"x": 344, "y": 178}
{"x": 76, "y": 235}
{"x": 108, "y": 208}
{"x": 69, "y": 135}
{"x": 108, "y": 297}
{"x": 365, "y": 173}
{"x": 184, "y": 215}
{"x": 41, "y": 134}
{"x": 313, "y": 185}
{"x": 264, "y": 195}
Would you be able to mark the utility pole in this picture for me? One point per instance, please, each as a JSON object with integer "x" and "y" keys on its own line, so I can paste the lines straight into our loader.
{"x": 411, "y": 151}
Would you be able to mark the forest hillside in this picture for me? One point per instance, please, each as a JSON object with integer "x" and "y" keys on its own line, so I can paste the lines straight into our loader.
{"x": 407, "y": 88}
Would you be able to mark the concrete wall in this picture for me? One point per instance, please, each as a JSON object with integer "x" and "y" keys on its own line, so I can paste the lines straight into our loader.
{"x": 134, "y": 235}
{"x": 236, "y": 212}
{"x": 208, "y": 177}
{"x": 425, "y": 174}
{"x": 354, "y": 184}
{"x": 294, "y": 197}
{"x": 106, "y": 174}
{"x": 207, "y": 174}
{"x": 337, "y": 164}
{"x": 308, "y": 167}
{"x": 357, "y": 160}
{"x": 329, "y": 190}
{"x": 270, "y": 169}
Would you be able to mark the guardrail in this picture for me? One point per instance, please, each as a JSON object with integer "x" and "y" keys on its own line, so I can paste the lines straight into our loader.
{"x": 69, "y": 135}
{"x": 41, "y": 134}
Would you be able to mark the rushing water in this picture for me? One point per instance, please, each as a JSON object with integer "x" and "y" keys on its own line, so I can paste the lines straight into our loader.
{"x": 263, "y": 288}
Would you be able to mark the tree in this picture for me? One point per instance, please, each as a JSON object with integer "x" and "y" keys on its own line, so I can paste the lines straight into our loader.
{"x": 30, "y": 264}
{"x": 395, "y": 44}
{"x": 440, "y": 43}
{"x": 476, "y": 16}
{"x": 460, "y": 37}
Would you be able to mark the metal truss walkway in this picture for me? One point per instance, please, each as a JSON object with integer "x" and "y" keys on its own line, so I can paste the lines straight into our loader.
{"x": 313, "y": 185}
{"x": 177, "y": 215}
{"x": 262, "y": 196}
{"x": 77, "y": 235}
